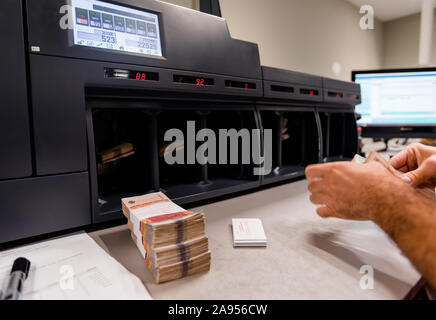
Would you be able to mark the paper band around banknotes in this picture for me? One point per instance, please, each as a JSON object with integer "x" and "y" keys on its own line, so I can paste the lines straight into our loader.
{"x": 171, "y": 239}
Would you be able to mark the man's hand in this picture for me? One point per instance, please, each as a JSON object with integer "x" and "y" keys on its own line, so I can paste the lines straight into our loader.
{"x": 370, "y": 192}
{"x": 350, "y": 190}
{"x": 418, "y": 163}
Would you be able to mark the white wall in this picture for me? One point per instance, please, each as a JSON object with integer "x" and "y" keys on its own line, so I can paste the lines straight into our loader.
{"x": 401, "y": 37}
{"x": 192, "y": 4}
{"x": 306, "y": 35}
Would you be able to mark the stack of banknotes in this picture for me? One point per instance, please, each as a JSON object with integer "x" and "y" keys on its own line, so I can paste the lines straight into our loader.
{"x": 120, "y": 151}
{"x": 172, "y": 240}
{"x": 427, "y": 191}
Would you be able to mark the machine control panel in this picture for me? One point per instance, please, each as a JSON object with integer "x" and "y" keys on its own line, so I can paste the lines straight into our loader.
{"x": 131, "y": 74}
{"x": 108, "y": 26}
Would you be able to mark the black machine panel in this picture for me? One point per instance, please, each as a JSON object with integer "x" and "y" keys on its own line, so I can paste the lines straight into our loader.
{"x": 34, "y": 206}
{"x": 15, "y": 159}
{"x": 191, "y": 40}
{"x": 59, "y": 115}
{"x": 291, "y": 85}
{"x": 289, "y": 110}
{"x": 338, "y": 119}
{"x": 295, "y": 139}
{"x": 339, "y": 133}
{"x": 86, "y": 101}
{"x": 341, "y": 92}
{"x": 143, "y": 124}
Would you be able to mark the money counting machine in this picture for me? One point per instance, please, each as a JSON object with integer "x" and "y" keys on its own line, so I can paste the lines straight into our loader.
{"x": 89, "y": 89}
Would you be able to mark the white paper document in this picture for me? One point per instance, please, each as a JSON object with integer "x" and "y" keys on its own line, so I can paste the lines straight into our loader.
{"x": 248, "y": 232}
{"x": 73, "y": 267}
{"x": 371, "y": 246}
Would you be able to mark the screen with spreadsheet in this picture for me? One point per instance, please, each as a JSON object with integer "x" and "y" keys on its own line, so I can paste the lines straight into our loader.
{"x": 397, "y": 98}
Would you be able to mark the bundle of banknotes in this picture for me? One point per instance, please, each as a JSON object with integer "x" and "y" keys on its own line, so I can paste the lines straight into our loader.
{"x": 375, "y": 156}
{"x": 171, "y": 240}
{"x": 427, "y": 191}
{"x": 120, "y": 151}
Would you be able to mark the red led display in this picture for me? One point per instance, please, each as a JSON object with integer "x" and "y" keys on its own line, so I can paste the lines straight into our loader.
{"x": 141, "y": 76}
{"x": 309, "y": 92}
{"x": 193, "y": 80}
{"x": 240, "y": 84}
{"x": 352, "y": 96}
{"x": 131, "y": 74}
{"x": 337, "y": 95}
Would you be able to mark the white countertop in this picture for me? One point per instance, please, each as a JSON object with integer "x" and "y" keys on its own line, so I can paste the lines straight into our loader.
{"x": 304, "y": 258}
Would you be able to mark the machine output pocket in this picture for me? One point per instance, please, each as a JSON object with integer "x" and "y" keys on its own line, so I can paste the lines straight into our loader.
{"x": 234, "y": 162}
{"x": 339, "y": 133}
{"x": 122, "y": 152}
{"x": 179, "y": 172}
{"x": 295, "y": 142}
{"x": 350, "y": 145}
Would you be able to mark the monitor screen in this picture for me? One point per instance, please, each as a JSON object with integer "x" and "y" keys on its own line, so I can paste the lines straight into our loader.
{"x": 113, "y": 27}
{"x": 406, "y": 98}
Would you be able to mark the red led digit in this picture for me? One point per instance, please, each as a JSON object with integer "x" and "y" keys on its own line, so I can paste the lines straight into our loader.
{"x": 311, "y": 92}
{"x": 138, "y": 76}
{"x": 246, "y": 86}
{"x": 144, "y": 76}
{"x": 200, "y": 82}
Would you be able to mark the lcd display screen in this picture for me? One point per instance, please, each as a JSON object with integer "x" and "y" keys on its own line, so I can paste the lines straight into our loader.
{"x": 108, "y": 26}
{"x": 397, "y": 98}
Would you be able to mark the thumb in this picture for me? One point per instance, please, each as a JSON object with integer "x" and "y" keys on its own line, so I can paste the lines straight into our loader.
{"x": 425, "y": 172}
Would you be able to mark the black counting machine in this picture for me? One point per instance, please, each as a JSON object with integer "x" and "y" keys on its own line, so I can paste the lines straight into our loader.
{"x": 90, "y": 89}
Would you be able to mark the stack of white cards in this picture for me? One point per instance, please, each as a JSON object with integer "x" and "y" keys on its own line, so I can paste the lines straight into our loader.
{"x": 248, "y": 233}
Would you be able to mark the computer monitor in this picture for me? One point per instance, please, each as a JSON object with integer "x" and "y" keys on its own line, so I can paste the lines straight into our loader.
{"x": 397, "y": 102}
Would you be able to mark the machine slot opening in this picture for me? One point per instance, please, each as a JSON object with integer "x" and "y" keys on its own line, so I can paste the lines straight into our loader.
{"x": 271, "y": 120}
{"x": 350, "y": 136}
{"x": 339, "y": 135}
{"x": 180, "y": 178}
{"x": 282, "y": 88}
{"x": 292, "y": 126}
{"x": 295, "y": 140}
{"x": 122, "y": 148}
{"x": 325, "y": 124}
{"x": 223, "y": 175}
{"x": 311, "y": 138}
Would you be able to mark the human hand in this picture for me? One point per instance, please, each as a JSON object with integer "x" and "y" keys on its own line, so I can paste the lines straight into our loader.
{"x": 350, "y": 190}
{"x": 418, "y": 163}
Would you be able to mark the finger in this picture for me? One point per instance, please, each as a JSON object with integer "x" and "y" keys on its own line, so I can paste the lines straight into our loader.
{"x": 318, "y": 170}
{"x": 406, "y": 159}
{"x": 318, "y": 198}
{"x": 316, "y": 186}
{"x": 314, "y": 171}
{"x": 426, "y": 171}
{"x": 403, "y": 169}
{"x": 325, "y": 212}
{"x": 399, "y": 160}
